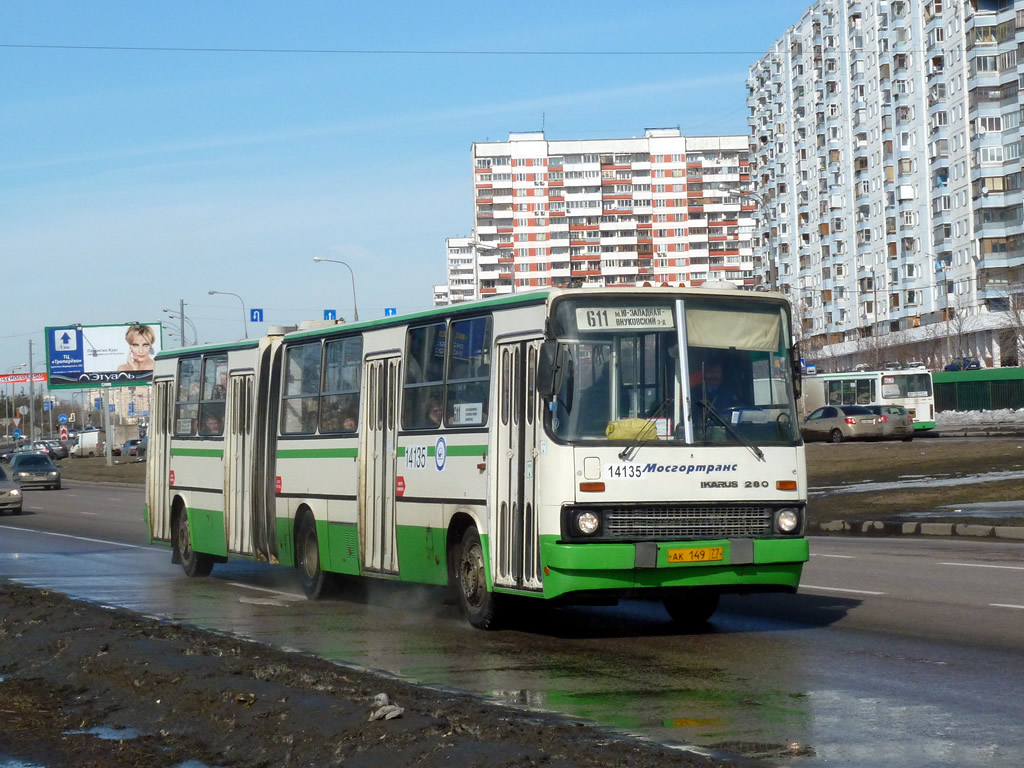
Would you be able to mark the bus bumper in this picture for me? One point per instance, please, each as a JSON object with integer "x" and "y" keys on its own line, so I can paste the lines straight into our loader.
{"x": 758, "y": 564}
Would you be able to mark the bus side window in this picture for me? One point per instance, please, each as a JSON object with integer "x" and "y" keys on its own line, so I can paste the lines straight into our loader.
{"x": 424, "y": 376}
{"x": 469, "y": 369}
{"x": 300, "y": 398}
{"x": 186, "y": 406}
{"x": 339, "y": 398}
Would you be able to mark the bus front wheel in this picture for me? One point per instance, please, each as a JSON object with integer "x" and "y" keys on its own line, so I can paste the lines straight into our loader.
{"x": 307, "y": 559}
{"x": 194, "y": 563}
{"x": 692, "y": 608}
{"x": 478, "y": 604}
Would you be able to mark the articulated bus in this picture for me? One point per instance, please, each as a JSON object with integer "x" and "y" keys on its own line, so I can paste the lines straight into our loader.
{"x": 556, "y": 445}
{"x": 909, "y": 387}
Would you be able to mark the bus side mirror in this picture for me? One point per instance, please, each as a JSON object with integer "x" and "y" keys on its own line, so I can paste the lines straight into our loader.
{"x": 549, "y": 369}
{"x": 794, "y": 364}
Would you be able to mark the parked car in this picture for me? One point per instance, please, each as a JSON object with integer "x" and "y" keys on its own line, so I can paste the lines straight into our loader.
{"x": 10, "y": 494}
{"x": 59, "y": 448}
{"x": 963, "y": 364}
{"x": 38, "y": 446}
{"x": 142, "y": 448}
{"x": 897, "y": 423}
{"x": 34, "y": 469}
{"x": 837, "y": 423}
{"x": 129, "y": 447}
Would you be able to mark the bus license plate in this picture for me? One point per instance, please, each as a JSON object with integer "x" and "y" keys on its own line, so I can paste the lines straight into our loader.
{"x": 696, "y": 555}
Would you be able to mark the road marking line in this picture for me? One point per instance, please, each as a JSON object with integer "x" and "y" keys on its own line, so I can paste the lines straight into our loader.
{"x": 78, "y": 538}
{"x": 288, "y": 595}
{"x": 840, "y": 589}
{"x": 841, "y": 557}
{"x": 1006, "y": 605}
{"x": 982, "y": 565}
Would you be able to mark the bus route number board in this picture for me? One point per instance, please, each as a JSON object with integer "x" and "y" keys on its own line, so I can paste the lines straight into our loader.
{"x": 624, "y": 318}
{"x": 696, "y": 555}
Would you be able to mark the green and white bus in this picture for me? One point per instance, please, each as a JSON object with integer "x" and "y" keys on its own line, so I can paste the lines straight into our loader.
{"x": 557, "y": 445}
{"x": 910, "y": 388}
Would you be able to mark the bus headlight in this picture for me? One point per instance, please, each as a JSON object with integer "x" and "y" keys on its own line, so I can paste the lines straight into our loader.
{"x": 787, "y": 520}
{"x": 587, "y": 523}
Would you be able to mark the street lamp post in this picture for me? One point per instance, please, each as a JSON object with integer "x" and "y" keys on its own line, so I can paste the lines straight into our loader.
{"x": 760, "y": 202}
{"x": 245, "y": 318}
{"x": 10, "y": 400}
{"x": 180, "y": 316}
{"x": 355, "y": 309}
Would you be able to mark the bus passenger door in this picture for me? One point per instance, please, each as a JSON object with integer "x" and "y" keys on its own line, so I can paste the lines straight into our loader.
{"x": 379, "y": 462}
{"x": 238, "y": 464}
{"x": 158, "y": 453}
{"x": 514, "y": 546}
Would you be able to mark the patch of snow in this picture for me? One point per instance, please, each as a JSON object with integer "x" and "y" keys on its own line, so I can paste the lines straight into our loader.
{"x": 970, "y": 418}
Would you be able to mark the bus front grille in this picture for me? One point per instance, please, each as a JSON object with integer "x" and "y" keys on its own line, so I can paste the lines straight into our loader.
{"x": 687, "y": 522}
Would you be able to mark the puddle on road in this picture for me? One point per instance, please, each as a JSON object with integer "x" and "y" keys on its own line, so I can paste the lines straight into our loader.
{"x": 917, "y": 481}
{"x": 107, "y": 733}
{"x": 10, "y": 762}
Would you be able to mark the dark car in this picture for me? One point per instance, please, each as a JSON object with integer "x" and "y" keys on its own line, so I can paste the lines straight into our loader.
{"x": 34, "y": 469}
{"x": 10, "y": 494}
{"x": 963, "y": 364}
{"x": 142, "y": 448}
{"x": 837, "y": 423}
{"x": 897, "y": 423}
{"x": 59, "y": 448}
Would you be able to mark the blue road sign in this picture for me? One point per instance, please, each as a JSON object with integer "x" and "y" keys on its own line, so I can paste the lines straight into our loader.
{"x": 111, "y": 407}
{"x": 390, "y": 311}
{"x": 97, "y": 402}
{"x": 255, "y": 315}
{"x": 62, "y": 419}
{"x": 46, "y": 405}
{"x": 330, "y": 314}
{"x": 17, "y": 434}
{"x": 131, "y": 408}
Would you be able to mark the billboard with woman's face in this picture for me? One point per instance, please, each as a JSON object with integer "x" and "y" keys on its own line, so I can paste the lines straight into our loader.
{"x": 86, "y": 356}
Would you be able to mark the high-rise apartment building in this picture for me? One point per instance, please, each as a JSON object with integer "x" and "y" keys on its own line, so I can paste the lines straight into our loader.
{"x": 886, "y": 145}
{"x": 659, "y": 209}
{"x": 462, "y": 284}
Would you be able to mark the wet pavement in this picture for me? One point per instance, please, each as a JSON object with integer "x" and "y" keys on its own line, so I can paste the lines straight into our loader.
{"x": 777, "y": 678}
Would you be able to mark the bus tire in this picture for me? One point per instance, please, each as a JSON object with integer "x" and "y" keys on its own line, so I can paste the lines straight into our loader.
{"x": 313, "y": 578}
{"x": 692, "y": 607}
{"x": 478, "y": 603}
{"x": 836, "y": 436}
{"x": 908, "y": 439}
{"x": 195, "y": 564}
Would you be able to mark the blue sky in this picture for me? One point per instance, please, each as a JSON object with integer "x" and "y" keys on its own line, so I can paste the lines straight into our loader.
{"x": 132, "y": 179}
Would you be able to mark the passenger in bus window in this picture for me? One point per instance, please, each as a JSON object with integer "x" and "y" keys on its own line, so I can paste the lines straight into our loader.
{"x": 212, "y": 424}
{"x": 434, "y": 413}
{"x": 348, "y": 423}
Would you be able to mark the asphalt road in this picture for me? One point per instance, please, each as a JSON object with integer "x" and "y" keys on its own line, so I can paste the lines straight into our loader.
{"x": 895, "y": 651}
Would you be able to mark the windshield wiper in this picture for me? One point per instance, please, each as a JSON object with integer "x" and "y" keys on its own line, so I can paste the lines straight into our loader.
{"x": 740, "y": 438}
{"x": 645, "y": 434}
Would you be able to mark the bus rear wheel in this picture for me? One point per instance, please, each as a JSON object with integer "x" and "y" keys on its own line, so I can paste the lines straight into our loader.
{"x": 307, "y": 559}
{"x": 195, "y": 564}
{"x": 692, "y": 607}
{"x": 478, "y": 603}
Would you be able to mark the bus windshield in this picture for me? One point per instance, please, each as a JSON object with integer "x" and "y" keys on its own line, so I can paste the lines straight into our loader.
{"x": 622, "y": 372}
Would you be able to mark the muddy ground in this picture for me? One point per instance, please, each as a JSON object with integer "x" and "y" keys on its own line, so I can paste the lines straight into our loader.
{"x": 854, "y": 463}
{"x": 72, "y": 673}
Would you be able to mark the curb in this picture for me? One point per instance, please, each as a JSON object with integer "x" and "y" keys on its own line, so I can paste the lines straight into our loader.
{"x": 897, "y": 528}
